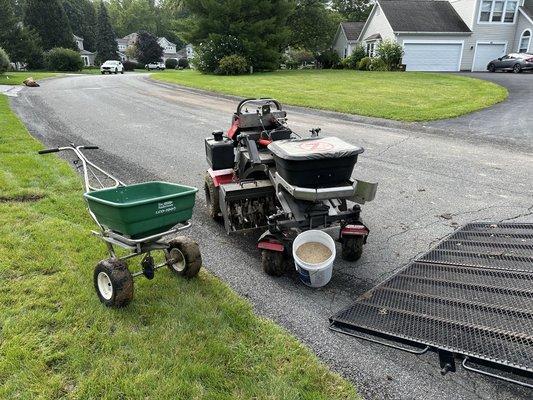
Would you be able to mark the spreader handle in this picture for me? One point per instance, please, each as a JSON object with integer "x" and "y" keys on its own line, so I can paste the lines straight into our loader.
{"x": 90, "y": 147}
{"x": 49, "y": 151}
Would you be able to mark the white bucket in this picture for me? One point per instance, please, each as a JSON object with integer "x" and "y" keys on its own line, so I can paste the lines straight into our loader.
{"x": 314, "y": 275}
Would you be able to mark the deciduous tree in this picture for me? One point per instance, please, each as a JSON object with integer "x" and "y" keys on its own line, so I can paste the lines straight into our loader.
{"x": 148, "y": 50}
{"x": 353, "y": 10}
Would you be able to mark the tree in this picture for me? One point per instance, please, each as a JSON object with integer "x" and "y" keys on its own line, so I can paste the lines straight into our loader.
{"x": 106, "y": 43}
{"x": 81, "y": 15}
{"x": 49, "y": 20}
{"x": 147, "y": 48}
{"x": 353, "y": 10}
{"x": 312, "y": 25}
{"x": 133, "y": 16}
{"x": 22, "y": 44}
{"x": 260, "y": 26}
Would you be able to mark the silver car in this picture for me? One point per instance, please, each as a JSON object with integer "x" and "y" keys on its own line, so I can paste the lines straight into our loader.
{"x": 516, "y": 62}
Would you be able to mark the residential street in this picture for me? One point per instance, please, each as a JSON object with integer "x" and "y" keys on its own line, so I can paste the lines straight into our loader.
{"x": 428, "y": 183}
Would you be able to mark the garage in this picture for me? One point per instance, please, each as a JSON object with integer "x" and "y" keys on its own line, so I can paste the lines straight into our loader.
{"x": 486, "y": 52}
{"x": 432, "y": 56}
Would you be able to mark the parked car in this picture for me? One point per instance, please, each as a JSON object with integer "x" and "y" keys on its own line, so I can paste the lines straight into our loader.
{"x": 516, "y": 62}
{"x": 160, "y": 66}
{"x": 112, "y": 67}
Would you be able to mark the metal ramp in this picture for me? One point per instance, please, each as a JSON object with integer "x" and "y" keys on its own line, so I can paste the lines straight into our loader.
{"x": 470, "y": 297}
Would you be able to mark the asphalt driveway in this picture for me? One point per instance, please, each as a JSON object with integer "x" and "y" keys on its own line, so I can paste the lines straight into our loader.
{"x": 509, "y": 122}
{"x": 156, "y": 131}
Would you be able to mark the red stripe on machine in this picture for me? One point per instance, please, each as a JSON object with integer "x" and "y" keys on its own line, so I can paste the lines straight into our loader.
{"x": 355, "y": 230}
{"x": 267, "y": 245}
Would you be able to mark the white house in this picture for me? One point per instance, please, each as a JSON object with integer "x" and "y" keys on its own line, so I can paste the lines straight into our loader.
{"x": 169, "y": 48}
{"x": 442, "y": 35}
{"x": 346, "y": 37}
{"x": 87, "y": 56}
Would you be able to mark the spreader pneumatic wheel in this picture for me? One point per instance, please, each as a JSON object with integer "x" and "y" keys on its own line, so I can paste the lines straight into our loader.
{"x": 272, "y": 262}
{"x": 352, "y": 247}
{"x": 211, "y": 198}
{"x": 183, "y": 257}
{"x": 113, "y": 283}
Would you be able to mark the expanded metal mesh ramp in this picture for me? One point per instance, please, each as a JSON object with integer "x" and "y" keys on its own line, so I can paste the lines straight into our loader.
{"x": 471, "y": 296}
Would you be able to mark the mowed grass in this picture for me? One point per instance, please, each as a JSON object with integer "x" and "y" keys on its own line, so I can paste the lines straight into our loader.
{"x": 178, "y": 339}
{"x": 404, "y": 96}
{"x": 16, "y": 77}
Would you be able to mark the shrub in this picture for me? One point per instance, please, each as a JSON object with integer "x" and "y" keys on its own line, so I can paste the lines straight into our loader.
{"x": 301, "y": 56}
{"x": 210, "y": 53}
{"x": 4, "y": 61}
{"x": 364, "y": 64}
{"x": 391, "y": 53}
{"x": 357, "y": 55}
{"x": 232, "y": 65}
{"x": 171, "y": 63}
{"x": 183, "y": 63}
{"x": 329, "y": 59}
{"x": 129, "y": 65}
{"x": 61, "y": 59}
{"x": 378, "y": 64}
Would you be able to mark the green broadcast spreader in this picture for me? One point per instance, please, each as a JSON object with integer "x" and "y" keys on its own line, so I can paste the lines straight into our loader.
{"x": 143, "y": 209}
{"x": 137, "y": 218}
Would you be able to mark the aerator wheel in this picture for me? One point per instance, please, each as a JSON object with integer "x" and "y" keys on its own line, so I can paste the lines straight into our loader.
{"x": 272, "y": 262}
{"x": 211, "y": 198}
{"x": 113, "y": 283}
{"x": 352, "y": 247}
{"x": 183, "y": 255}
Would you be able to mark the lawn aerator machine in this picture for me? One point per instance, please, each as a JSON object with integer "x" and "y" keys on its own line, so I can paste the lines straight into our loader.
{"x": 263, "y": 175}
{"x": 137, "y": 218}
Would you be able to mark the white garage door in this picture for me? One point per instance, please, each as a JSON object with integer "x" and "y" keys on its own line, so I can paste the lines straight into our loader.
{"x": 486, "y": 52}
{"x": 432, "y": 56}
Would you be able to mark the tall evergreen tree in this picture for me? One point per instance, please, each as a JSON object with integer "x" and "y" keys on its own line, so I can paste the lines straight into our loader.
{"x": 106, "y": 44}
{"x": 259, "y": 25}
{"x": 49, "y": 20}
{"x": 81, "y": 15}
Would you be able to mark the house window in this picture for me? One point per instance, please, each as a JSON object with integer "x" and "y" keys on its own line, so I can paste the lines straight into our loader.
{"x": 525, "y": 39}
{"x": 371, "y": 49}
{"x": 345, "y": 53}
{"x": 85, "y": 61}
{"x": 498, "y": 11}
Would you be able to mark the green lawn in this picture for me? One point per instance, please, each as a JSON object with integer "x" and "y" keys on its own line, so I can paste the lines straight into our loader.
{"x": 178, "y": 339}
{"x": 16, "y": 78}
{"x": 404, "y": 96}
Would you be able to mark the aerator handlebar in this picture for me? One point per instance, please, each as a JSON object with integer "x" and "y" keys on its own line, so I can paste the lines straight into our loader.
{"x": 262, "y": 101}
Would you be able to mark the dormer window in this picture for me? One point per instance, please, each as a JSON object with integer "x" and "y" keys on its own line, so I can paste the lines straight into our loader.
{"x": 498, "y": 11}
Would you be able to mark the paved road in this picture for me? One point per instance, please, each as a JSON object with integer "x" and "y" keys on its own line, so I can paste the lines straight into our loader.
{"x": 510, "y": 122}
{"x": 149, "y": 130}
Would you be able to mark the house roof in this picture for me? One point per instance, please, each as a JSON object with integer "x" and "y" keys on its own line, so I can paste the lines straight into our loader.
{"x": 423, "y": 16}
{"x": 528, "y": 10}
{"x": 375, "y": 36}
{"x": 352, "y": 29}
{"x": 77, "y": 37}
{"x": 164, "y": 39}
{"x": 86, "y": 53}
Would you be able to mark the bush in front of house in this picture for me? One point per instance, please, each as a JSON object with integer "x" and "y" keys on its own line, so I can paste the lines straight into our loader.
{"x": 357, "y": 55}
{"x": 364, "y": 64}
{"x": 183, "y": 63}
{"x": 171, "y": 63}
{"x": 378, "y": 64}
{"x": 4, "y": 61}
{"x": 61, "y": 59}
{"x": 232, "y": 65}
{"x": 329, "y": 59}
{"x": 391, "y": 53}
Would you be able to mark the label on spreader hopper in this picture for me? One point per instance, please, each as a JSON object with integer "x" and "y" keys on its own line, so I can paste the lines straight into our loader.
{"x": 165, "y": 207}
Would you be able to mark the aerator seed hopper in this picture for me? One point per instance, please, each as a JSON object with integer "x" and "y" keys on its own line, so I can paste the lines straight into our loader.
{"x": 264, "y": 176}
